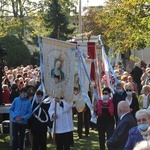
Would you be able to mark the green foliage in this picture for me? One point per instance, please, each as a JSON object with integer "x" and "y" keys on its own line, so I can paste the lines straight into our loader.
{"x": 135, "y": 58}
{"x": 86, "y": 143}
{"x": 17, "y": 51}
{"x": 123, "y": 24}
{"x": 56, "y": 18}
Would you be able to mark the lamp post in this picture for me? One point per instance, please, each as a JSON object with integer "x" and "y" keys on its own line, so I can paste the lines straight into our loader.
{"x": 80, "y": 19}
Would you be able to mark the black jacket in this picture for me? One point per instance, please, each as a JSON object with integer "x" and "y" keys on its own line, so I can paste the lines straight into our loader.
{"x": 34, "y": 124}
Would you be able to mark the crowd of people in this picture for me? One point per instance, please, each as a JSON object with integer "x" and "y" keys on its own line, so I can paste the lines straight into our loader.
{"x": 123, "y": 114}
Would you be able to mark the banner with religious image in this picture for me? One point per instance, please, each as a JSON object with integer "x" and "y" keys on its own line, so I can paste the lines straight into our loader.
{"x": 59, "y": 64}
{"x": 78, "y": 98}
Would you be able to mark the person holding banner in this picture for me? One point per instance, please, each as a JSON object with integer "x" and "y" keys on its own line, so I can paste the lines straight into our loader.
{"x": 60, "y": 112}
{"x": 83, "y": 112}
{"x": 105, "y": 120}
{"x": 39, "y": 121}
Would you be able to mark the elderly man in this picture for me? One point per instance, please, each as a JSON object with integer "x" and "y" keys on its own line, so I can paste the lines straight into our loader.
{"x": 140, "y": 132}
{"x": 125, "y": 123}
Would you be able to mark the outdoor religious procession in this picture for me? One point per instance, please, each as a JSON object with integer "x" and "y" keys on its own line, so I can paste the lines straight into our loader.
{"x": 74, "y": 75}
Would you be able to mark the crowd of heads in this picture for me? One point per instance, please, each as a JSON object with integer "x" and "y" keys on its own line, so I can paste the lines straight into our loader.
{"x": 126, "y": 80}
{"x": 13, "y": 80}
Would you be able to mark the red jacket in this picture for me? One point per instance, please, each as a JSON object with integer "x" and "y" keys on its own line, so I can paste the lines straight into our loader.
{"x": 5, "y": 96}
{"x": 109, "y": 104}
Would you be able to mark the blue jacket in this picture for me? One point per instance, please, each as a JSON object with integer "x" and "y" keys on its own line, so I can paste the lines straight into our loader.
{"x": 20, "y": 108}
{"x": 133, "y": 138}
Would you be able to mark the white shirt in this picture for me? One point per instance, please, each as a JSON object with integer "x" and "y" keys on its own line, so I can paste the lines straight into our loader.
{"x": 129, "y": 101}
{"x": 145, "y": 101}
{"x": 64, "y": 121}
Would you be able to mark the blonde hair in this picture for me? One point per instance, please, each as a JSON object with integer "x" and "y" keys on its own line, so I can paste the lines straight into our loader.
{"x": 126, "y": 85}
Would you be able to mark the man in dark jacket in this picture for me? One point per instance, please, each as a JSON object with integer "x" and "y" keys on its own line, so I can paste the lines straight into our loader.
{"x": 119, "y": 95}
{"x": 136, "y": 74}
{"x": 125, "y": 123}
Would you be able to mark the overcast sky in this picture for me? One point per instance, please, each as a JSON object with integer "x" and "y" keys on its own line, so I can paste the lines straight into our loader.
{"x": 92, "y": 2}
{"x": 88, "y": 2}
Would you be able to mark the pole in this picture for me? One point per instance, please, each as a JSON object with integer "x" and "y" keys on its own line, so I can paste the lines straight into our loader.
{"x": 80, "y": 19}
{"x": 55, "y": 110}
{"x": 142, "y": 54}
{"x": 1, "y": 74}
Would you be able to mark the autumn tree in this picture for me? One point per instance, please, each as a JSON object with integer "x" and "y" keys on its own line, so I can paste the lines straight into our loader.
{"x": 127, "y": 24}
{"x": 124, "y": 24}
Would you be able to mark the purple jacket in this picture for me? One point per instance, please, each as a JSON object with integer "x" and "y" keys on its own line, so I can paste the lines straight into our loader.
{"x": 133, "y": 138}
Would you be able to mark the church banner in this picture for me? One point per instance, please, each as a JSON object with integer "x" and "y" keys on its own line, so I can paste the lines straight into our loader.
{"x": 78, "y": 98}
{"x": 59, "y": 64}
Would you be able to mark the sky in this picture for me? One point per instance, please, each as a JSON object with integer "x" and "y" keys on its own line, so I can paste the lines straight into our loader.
{"x": 92, "y": 2}
{"x": 88, "y": 2}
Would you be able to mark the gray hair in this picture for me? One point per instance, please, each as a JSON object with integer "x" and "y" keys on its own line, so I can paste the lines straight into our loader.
{"x": 142, "y": 111}
{"x": 143, "y": 145}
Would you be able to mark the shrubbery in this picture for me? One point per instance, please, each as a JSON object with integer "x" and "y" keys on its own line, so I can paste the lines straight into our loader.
{"x": 17, "y": 52}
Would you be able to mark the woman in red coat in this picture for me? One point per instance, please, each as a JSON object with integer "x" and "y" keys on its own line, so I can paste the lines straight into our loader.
{"x": 5, "y": 94}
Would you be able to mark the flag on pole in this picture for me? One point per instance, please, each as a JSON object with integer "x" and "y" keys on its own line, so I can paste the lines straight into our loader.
{"x": 110, "y": 76}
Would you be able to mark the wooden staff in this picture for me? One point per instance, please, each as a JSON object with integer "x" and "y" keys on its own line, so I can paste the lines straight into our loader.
{"x": 55, "y": 122}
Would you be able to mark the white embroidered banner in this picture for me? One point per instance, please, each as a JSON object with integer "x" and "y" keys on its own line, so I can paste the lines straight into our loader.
{"x": 59, "y": 64}
{"x": 78, "y": 98}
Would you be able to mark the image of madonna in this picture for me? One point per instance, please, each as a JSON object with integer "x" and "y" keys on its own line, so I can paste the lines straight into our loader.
{"x": 76, "y": 84}
{"x": 57, "y": 72}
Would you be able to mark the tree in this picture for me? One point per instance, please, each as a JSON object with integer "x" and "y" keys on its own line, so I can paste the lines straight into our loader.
{"x": 127, "y": 29}
{"x": 15, "y": 16}
{"x": 17, "y": 51}
{"x": 123, "y": 24}
{"x": 17, "y": 8}
{"x": 56, "y": 19}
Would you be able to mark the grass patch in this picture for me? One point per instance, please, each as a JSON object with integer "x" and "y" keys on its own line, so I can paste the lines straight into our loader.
{"x": 86, "y": 143}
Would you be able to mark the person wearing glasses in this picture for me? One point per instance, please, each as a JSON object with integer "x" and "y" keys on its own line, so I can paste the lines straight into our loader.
{"x": 131, "y": 98}
{"x": 141, "y": 131}
{"x": 105, "y": 113}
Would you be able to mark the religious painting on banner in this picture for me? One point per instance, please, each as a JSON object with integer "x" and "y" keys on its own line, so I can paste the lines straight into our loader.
{"x": 58, "y": 60}
{"x": 77, "y": 96}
